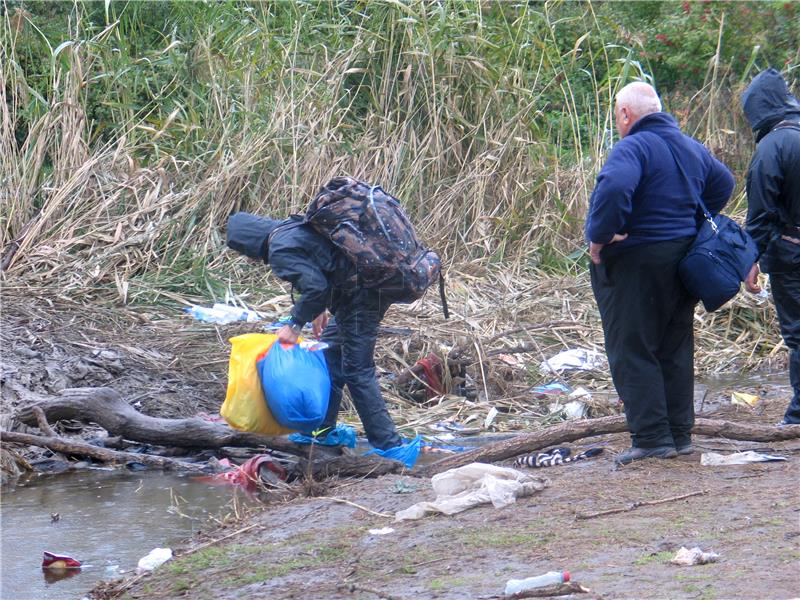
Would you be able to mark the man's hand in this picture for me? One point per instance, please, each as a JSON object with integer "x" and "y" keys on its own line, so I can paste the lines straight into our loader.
{"x": 287, "y": 335}
{"x": 594, "y": 249}
{"x": 751, "y": 281}
{"x": 319, "y": 324}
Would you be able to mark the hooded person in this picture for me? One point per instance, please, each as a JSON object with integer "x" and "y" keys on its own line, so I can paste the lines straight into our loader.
{"x": 325, "y": 280}
{"x": 773, "y": 208}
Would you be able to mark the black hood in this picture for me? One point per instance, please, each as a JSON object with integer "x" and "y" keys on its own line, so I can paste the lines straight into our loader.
{"x": 248, "y": 234}
{"x": 767, "y": 102}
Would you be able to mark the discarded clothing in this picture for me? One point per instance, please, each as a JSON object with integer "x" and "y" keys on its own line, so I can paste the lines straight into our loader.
{"x": 712, "y": 459}
{"x": 555, "y": 456}
{"x": 477, "y": 483}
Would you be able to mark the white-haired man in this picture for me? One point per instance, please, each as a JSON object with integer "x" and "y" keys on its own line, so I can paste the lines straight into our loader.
{"x": 643, "y": 217}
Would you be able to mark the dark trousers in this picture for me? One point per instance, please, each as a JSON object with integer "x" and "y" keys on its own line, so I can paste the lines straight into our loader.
{"x": 351, "y": 335}
{"x": 647, "y": 321}
{"x": 786, "y": 293}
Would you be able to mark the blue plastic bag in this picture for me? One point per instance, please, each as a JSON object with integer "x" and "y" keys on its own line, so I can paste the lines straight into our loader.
{"x": 297, "y": 386}
{"x": 406, "y": 454}
{"x": 341, "y": 435}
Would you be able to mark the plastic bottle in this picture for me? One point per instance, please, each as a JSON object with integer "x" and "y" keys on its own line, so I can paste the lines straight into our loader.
{"x": 241, "y": 314}
{"x": 514, "y": 586}
{"x": 210, "y": 315}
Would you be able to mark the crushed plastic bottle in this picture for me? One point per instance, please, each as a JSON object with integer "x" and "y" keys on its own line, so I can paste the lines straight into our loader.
{"x": 210, "y": 315}
{"x": 242, "y": 314}
{"x": 515, "y": 586}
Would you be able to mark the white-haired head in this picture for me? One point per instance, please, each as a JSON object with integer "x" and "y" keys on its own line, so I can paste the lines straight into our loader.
{"x": 633, "y": 102}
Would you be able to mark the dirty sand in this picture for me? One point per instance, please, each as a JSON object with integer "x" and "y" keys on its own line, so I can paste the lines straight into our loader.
{"x": 312, "y": 547}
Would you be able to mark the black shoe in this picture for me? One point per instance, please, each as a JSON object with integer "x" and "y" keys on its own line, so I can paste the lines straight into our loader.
{"x": 634, "y": 453}
{"x": 685, "y": 449}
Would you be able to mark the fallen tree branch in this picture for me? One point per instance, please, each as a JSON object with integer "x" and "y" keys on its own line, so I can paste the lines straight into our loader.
{"x": 57, "y": 444}
{"x": 635, "y": 505}
{"x": 575, "y": 430}
{"x": 41, "y": 421}
{"x": 106, "y": 408}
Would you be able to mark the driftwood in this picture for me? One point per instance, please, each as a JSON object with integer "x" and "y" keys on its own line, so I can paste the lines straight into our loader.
{"x": 105, "y": 407}
{"x": 351, "y": 465}
{"x": 75, "y": 448}
{"x": 558, "y": 589}
{"x": 575, "y": 430}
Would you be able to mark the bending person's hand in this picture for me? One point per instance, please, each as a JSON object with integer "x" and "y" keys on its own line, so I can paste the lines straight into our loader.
{"x": 287, "y": 335}
{"x": 594, "y": 249}
{"x": 751, "y": 281}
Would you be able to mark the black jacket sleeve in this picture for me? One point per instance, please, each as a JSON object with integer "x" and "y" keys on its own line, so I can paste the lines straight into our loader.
{"x": 296, "y": 266}
{"x": 764, "y": 185}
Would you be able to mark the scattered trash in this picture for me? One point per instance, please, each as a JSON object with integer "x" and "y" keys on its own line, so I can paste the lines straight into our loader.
{"x": 259, "y": 469}
{"x": 154, "y": 559}
{"x": 695, "y": 556}
{"x": 453, "y": 427}
{"x": 576, "y": 359}
{"x": 222, "y": 314}
{"x": 490, "y": 418}
{"x": 713, "y": 459}
{"x": 51, "y": 560}
{"x": 382, "y": 531}
{"x": 432, "y": 371}
{"x": 510, "y": 359}
{"x": 341, "y": 435}
{"x": 473, "y": 484}
{"x": 555, "y": 456}
{"x": 542, "y": 392}
{"x": 406, "y": 454}
{"x": 401, "y": 487}
{"x": 515, "y": 586}
{"x": 743, "y": 399}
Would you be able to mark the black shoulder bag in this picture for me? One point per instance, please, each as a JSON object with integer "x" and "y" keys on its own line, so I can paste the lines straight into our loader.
{"x": 720, "y": 257}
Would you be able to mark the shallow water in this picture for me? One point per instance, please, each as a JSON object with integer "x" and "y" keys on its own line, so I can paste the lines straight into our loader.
{"x": 108, "y": 521}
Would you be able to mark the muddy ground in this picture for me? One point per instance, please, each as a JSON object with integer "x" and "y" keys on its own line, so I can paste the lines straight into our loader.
{"x": 317, "y": 547}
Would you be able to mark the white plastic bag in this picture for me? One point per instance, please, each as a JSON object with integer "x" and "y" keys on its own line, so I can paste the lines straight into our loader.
{"x": 477, "y": 483}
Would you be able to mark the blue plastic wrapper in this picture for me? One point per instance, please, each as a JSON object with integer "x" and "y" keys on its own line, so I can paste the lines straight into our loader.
{"x": 406, "y": 454}
{"x": 297, "y": 386}
{"x": 341, "y": 435}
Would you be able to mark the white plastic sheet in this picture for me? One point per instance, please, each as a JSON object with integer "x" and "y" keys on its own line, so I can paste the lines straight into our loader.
{"x": 477, "y": 483}
{"x": 712, "y": 459}
{"x": 576, "y": 359}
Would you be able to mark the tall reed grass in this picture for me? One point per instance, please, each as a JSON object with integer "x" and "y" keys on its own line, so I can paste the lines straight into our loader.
{"x": 157, "y": 120}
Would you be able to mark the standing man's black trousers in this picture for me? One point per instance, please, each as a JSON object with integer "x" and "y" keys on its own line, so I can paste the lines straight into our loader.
{"x": 647, "y": 318}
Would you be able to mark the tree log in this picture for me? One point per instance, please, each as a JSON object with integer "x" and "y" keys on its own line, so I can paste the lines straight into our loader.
{"x": 74, "y": 448}
{"x": 575, "y": 430}
{"x": 351, "y": 465}
{"x": 106, "y": 407}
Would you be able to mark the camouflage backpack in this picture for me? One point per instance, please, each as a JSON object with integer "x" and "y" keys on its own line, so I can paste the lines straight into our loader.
{"x": 370, "y": 227}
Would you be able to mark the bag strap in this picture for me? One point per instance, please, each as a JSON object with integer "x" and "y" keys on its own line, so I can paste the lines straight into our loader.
{"x": 698, "y": 199}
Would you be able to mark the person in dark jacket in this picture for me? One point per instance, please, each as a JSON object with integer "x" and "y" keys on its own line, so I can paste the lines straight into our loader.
{"x": 323, "y": 276}
{"x": 643, "y": 217}
{"x": 773, "y": 208}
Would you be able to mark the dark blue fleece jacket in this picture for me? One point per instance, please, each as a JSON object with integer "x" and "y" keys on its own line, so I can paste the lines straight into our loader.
{"x": 642, "y": 192}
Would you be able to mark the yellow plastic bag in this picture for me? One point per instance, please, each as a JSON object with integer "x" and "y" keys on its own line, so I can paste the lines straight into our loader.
{"x": 245, "y": 407}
